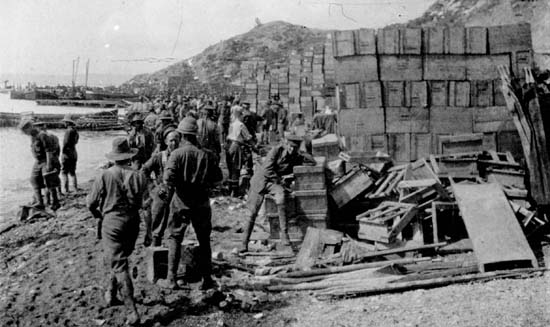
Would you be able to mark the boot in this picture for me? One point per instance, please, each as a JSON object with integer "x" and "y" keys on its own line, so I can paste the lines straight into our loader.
{"x": 246, "y": 235}
{"x": 174, "y": 253}
{"x": 55, "y": 200}
{"x": 127, "y": 291}
{"x": 38, "y": 200}
{"x": 65, "y": 179}
{"x": 283, "y": 233}
{"x": 112, "y": 289}
{"x": 75, "y": 183}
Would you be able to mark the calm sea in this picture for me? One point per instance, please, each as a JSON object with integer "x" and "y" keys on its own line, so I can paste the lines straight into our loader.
{"x": 16, "y": 159}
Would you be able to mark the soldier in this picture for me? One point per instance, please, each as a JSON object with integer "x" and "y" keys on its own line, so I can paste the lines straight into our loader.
{"x": 116, "y": 198}
{"x": 268, "y": 115}
{"x": 270, "y": 179}
{"x": 69, "y": 154}
{"x": 239, "y": 139}
{"x": 166, "y": 123}
{"x": 141, "y": 138}
{"x": 282, "y": 119}
{"x": 45, "y": 171}
{"x": 159, "y": 207}
{"x": 188, "y": 176}
{"x": 208, "y": 132}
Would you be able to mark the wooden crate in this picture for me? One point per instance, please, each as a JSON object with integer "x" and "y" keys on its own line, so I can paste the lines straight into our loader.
{"x": 485, "y": 67}
{"x": 310, "y": 202}
{"x": 327, "y": 146}
{"x": 522, "y": 59}
{"x": 492, "y": 119}
{"x": 444, "y": 67}
{"x": 421, "y": 145}
{"x": 416, "y": 94}
{"x": 438, "y": 93}
{"x": 456, "y": 164}
{"x": 343, "y": 43}
{"x": 351, "y": 96}
{"x": 394, "y": 93}
{"x": 449, "y": 120}
{"x": 407, "y": 120}
{"x": 460, "y": 143}
{"x": 411, "y": 41}
{"x": 455, "y": 40}
{"x": 361, "y": 121}
{"x": 400, "y": 68}
{"x": 349, "y": 187}
{"x": 509, "y": 38}
{"x": 366, "y": 142}
{"x": 311, "y": 177}
{"x": 399, "y": 147}
{"x": 372, "y": 95}
{"x": 365, "y": 41}
{"x": 385, "y": 222}
{"x": 434, "y": 40}
{"x": 482, "y": 93}
{"x": 386, "y": 186}
{"x": 459, "y": 93}
{"x": 498, "y": 97}
{"x": 356, "y": 69}
{"x": 476, "y": 40}
{"x": 388, "y": 41}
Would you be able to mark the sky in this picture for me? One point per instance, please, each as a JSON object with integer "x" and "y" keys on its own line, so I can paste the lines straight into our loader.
{"x": 128, "y": 37}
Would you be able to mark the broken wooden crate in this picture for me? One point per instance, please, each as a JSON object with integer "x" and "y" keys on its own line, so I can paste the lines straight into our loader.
{"x": 386, "y": 186}
{"x": 355, "y": 183}
{"x": 384, "y": 223}
{"x": 456, "y": 164}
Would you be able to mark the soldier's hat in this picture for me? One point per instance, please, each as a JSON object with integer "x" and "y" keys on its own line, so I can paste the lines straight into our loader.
{"x": 165, "y": 115}
{"x": 136, "y": 119}
{"x": 121, "y": 150}
{"x": 188, "y": 125}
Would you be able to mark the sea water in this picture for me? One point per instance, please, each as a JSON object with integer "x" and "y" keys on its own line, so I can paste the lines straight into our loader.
{"x": 16, "y": 159}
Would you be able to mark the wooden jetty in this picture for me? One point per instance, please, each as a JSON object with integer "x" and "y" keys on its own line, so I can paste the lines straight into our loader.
{"x": 82, "y": 103}
{"x": 98, "y": 121}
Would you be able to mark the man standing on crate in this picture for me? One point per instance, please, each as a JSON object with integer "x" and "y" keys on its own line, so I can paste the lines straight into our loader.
{"x": 270, "y": 178}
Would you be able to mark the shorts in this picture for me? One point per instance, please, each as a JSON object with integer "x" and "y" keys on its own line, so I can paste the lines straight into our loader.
{"x": 40, "y": 177}
{"x": 68, "y": 165}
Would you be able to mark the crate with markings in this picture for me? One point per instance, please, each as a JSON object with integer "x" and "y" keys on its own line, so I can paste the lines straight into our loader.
{"x": 385, "y": 222}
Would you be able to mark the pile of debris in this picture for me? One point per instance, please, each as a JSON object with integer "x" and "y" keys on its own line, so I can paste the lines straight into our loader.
{"x": 364, "y": 226}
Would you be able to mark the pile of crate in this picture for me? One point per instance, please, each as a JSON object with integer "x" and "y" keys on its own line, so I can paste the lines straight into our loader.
{"x": 405, "y": 90}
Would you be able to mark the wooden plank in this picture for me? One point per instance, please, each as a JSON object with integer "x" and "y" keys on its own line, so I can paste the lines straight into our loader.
{"x": 497, "y": 238}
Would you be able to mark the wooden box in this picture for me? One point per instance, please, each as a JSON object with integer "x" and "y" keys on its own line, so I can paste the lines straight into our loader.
{"x": 361, "y": 121}
{"x": 482, "y": 93}
{"x": 476, "y": 40}
{"x": 365, "y": 41}
{"x": 416, "y": 94}
{"x": 385, "y": 222}
{"x": 450, "y": 120}
{"x": 509, "y": 38}
{"x": 439, "y": 92}
{"x": 411, "y": 41}
{"x": 351, "y": 96}
{"x": 372, "y": 95}
{"x": 311, "y": 177}
{"x": 434, "y": 40}
{"x": 343, "y": 43}
{"x": 400, "y": 68}
{"x": 366, "y": 142}
{"x": 455, "y": 40}
{"x": 349, "y": 187}
{"x": 327, "y": 146}
{"x": 444, "y": 67}
{"x": 394, "y": 94}
{"x": 492, "y": 119}
{"x": 356, "y": 69}
{"x": 388, "y": 41}
{"x": 459, "y": 93}
{"x": 407, "y": 120}
{"x": 485, "y": 67}
{"x": 311, "y": 202}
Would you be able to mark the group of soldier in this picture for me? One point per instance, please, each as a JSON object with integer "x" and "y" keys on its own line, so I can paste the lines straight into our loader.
{"x": 166, "y": 176}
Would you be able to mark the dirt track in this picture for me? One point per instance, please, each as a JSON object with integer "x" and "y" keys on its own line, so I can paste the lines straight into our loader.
{"x": 53, "y": 275}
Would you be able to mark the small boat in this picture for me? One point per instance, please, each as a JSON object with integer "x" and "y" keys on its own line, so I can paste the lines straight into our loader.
{"x": 98, "y": 121}
{"x": 35, "y": 94}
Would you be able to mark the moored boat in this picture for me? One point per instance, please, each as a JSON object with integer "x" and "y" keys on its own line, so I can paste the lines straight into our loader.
{"x": 98, "y": 121}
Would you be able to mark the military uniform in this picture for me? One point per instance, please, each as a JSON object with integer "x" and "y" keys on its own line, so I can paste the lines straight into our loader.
{"x": 69, "y": 155}
{"x": 144, "y": 141}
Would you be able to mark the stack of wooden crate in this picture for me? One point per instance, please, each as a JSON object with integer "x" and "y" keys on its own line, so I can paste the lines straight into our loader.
{"x": 311, "y": 194}
{"x": 406, "y": 90}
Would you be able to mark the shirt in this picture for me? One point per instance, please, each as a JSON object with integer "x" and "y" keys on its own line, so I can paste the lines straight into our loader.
{"x": 69, "y": 142}
{"x": 191, "y": 172}
{"x": 40, "y": 144}
{"x": 238, "y": 132}
{"x": 118, "y": 191}
{"x": 155, "y": 165}
{"x": 209, "y": 135}
{"x": 279, "y": 162}
{"x": 144, "y": 141}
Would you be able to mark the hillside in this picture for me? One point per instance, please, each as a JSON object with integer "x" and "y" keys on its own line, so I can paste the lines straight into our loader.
{"x": 271, "y": 42}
